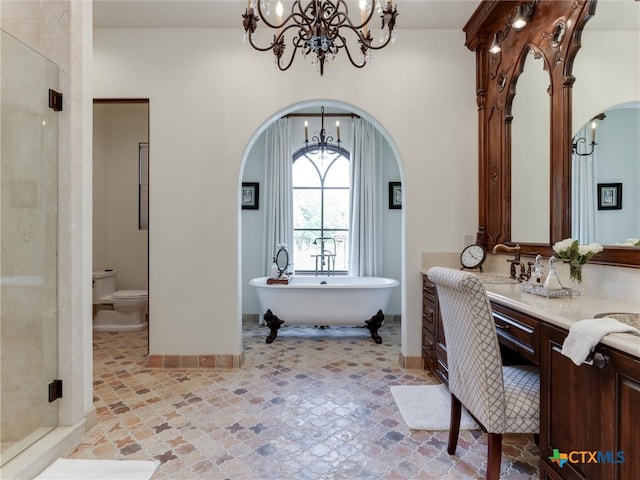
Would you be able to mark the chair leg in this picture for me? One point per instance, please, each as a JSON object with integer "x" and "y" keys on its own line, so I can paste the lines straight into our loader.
{"x": 454, "y": 427}
{"x": 494, "y": 456}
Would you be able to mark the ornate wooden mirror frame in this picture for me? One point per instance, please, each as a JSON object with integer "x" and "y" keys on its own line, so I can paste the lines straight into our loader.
{"x": 553, "y": 33}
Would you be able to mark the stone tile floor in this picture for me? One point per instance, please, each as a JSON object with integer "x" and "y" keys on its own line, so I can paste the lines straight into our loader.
{"x": 315, "y": 404}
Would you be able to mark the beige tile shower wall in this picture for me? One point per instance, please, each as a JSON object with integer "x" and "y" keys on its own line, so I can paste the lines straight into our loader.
{"x": 23, "y": 309}
{"x": 43, "y": 25}
{"x": 29, "y": 240}
{"x": 62, "y": 31}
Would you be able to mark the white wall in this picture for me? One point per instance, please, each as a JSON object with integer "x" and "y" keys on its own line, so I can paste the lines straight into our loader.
{"x": 209, "y": 99}
{"x": 117, "y": 243}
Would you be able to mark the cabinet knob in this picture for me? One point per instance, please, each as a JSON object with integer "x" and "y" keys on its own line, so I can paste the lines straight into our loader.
{"x": 598, "y": 359}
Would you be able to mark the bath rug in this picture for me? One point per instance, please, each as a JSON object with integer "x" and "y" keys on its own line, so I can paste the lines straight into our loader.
{"x": 77, "y": 469}
{"x": 428, "y": 407}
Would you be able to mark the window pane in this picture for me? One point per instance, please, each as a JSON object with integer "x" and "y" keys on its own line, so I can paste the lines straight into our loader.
{"x": 306, "y": 208}
{"x": 336, "y": 208}
{"x": 143, "y": 186}
{"x": 309, "y": 255}
{"x": 340, "y": 249}
{"x": 338, "y": 174}
{"x": 318, "y": 247}
{"x": 304, "y": 174}
{"x": 304, "y": 250}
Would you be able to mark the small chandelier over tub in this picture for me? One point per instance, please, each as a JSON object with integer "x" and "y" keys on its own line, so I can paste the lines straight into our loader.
{"x": 319, "y": 28}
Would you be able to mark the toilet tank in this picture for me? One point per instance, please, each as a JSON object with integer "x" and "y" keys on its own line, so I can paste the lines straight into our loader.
{"x": 104, "y": 284}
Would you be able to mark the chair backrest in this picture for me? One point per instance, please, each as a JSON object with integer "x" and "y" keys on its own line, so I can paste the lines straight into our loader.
{"x": 473, "y": 352}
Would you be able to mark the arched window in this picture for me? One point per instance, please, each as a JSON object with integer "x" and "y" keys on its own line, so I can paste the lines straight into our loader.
{"x": 321, "y": 187}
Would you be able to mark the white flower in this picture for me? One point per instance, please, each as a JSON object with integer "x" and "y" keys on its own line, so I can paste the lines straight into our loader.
{"x": 593, "y": 248}
{"x": 632, "y": 242}
{"x": 583, "y": 249}
{"x": 563, "y": 245}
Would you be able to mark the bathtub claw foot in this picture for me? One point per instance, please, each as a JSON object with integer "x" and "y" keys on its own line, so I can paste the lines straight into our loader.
{"x": 274, "y": 323}
{"x": 373, "y": 324}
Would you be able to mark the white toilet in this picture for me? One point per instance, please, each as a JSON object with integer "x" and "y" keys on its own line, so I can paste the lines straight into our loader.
{"x": 118, "y": 311}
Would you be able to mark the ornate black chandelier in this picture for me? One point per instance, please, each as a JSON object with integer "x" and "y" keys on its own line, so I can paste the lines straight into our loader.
{"x": 318, "y": 29}
{"x": 322, "y": 140}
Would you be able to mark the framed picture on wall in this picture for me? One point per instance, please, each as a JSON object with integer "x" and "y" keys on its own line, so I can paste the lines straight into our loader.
{"x": 250, "y": 195}
{"x": 395, "y": 195}
{"x": 609, "y": 196}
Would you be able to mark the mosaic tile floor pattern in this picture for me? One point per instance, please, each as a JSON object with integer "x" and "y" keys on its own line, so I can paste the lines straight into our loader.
{"x": 315, "y": 404}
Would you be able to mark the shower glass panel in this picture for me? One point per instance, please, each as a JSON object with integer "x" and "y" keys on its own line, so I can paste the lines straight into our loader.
{"x": 29, "y": 231}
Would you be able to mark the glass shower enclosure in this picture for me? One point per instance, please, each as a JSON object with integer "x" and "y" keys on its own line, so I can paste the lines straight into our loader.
{"x": 28, "y": 257}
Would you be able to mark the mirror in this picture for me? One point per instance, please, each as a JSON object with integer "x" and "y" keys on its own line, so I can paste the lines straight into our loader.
{"x": 610, "y": 167}
{"x": 610, "y": 40}
{"x": 530, "y": 147}
{"x": 282, "y": 260}
{"x": 591, "y": 49}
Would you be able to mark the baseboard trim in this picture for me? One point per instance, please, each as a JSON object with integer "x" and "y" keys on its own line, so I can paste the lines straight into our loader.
{"x": 196, "y": 361}
{"x": 410, "y": 362}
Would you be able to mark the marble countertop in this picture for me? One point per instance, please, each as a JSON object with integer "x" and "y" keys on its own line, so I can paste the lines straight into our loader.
{"x": 565, "y": 311}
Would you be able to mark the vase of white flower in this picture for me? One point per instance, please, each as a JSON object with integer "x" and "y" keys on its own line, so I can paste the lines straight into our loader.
{"x": 576, "y": 255}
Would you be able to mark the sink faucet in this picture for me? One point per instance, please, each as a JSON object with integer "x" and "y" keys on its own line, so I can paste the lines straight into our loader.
{"x": 501, "y": 247}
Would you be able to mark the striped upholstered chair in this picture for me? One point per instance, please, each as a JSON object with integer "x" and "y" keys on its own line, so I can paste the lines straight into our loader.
{"x": 504, "y": 399}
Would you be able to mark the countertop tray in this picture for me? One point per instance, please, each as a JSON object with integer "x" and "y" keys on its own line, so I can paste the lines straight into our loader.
{"x": 546, "y": 292}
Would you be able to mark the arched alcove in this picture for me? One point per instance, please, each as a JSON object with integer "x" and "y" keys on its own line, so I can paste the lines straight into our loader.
{"x": 251, "y": 261}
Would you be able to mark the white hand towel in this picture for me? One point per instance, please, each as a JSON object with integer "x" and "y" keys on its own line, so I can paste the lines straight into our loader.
{"x": 585, "y": 334}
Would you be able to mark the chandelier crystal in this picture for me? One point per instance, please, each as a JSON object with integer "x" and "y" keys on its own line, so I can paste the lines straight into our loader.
{"x": 319, "y": 28}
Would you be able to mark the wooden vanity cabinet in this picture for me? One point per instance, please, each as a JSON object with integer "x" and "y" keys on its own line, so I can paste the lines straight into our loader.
{"x": 434, "y": 349}
{"x": 429, "y": 309}
{"x": 517, "y": 333}
{"x": 582, "y": 409}
{"x": 588, "y": 409}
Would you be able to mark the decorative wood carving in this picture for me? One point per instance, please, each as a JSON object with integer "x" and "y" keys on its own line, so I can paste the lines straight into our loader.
{"x": 553, "y": 33}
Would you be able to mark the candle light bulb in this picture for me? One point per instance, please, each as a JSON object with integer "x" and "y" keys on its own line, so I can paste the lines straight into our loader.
{"x": 306, "y": 131}
{"x": 593, "y": 132}
{"x": 338, "y": 129}
{"x": 363, "y": 14}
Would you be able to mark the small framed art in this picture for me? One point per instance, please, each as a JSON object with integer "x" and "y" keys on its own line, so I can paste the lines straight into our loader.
{"x": 250, "y": 195}
{"x": 609, "y": 196}
{"x": 395, "y": 195}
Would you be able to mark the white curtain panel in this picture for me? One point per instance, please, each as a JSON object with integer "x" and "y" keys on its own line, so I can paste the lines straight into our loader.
{"x": 367, "y": 193}
{"x": 583, "y": 193}
{"x": 278, "y": 193}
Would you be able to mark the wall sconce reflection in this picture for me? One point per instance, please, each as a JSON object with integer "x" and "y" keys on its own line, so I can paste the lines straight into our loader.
{"x": 577, "y": 140}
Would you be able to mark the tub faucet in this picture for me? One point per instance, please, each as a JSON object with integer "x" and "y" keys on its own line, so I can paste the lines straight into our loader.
{"x": 515, "y": 261}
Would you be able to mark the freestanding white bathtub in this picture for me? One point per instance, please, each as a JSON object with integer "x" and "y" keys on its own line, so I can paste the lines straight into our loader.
{"x": 325, "y": 301}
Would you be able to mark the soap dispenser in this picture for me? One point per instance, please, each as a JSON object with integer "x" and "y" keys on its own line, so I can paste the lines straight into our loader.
{"x": 552, "y": 281}
{"x": 537, "y": 272}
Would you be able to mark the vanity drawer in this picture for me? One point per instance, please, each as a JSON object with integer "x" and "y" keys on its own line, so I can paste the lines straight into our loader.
{"x": 441, "y": 369}
{"x": 428, "y": 352}
{"x": 428, "y": 316}
{"x": 517, "y": 331}
{"x": 428, "y": 289}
